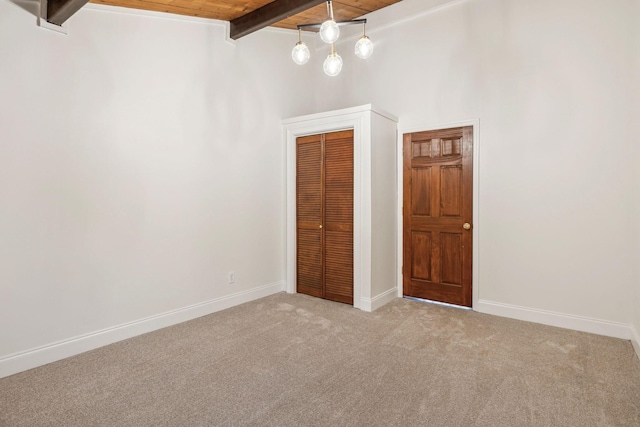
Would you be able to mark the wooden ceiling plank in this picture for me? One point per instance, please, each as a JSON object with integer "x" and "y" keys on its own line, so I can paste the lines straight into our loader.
{"x": 58, "y": 11}
{"x": 319, "y": 14}
{"x": 343, "y": 10}
{"x": 229, "y": 10}
{"x": 269, "y": 14}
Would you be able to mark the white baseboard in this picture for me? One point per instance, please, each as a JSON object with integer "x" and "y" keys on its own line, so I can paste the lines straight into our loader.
{"x": 584, "y": 324}
{"x": 372, "y": 304}
{"x": 635, "y": 340}
{"x": 14, "y": 363}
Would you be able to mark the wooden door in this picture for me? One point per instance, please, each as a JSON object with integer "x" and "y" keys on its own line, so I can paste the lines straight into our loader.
{"x": 437, "y": 215}
{"x": 324, "y": 201}
{"x": 310, "y": 214}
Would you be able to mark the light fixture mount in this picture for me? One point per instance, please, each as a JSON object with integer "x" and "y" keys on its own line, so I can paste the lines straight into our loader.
{"x": 338, "y": 23}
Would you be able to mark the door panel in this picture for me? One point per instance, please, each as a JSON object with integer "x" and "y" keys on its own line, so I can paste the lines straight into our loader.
{"x": 421, "y": 191}
{"x": 437, "y": 191}
{"x": 309, "y": 215}
{"x": 451, "y": 191}
{"x": 339, "y": 266}
{"x": 309, "y": 180}
{"x": 451, "y": 256}
{"x": 325, "y": 216}
{"x": 309, "y": 262}
{"x": 338, "y": 181}
{"x": 338, "y": 218}
{"x": 421, "y": 255}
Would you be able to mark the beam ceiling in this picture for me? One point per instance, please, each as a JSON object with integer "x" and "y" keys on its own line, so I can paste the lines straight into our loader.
{"x": 241, "y": 10}
{"x": 58, "y": 11}
{"x": 269, "y": 14}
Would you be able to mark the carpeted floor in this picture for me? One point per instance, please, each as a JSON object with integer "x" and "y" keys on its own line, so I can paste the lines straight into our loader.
{"x": 293, "y": 360}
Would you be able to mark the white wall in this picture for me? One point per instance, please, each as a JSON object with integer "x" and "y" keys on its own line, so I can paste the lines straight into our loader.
{"x": 141, "y": 159}
{"x": 634, "y": 140}
{"x": 549, "y": 81}
{"x": 383, "y": 206}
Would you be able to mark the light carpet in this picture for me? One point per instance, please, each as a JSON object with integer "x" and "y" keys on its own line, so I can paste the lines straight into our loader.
{"x": 293, "y": 360}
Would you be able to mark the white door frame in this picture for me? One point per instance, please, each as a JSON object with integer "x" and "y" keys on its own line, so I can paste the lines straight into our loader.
{"x": 358, "y": 119}
{"x": 417, "y": 127}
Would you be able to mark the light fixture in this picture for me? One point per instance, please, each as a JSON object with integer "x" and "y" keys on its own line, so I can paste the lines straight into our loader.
{"x": 329, "y": 33}
{"x": 300, "y": 53}
{"x": 364, "y": 46}
{"x": 333, "y": 64}
{"x": 329, "y": 30}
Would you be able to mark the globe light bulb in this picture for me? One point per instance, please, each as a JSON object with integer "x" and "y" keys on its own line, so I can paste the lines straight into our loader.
{"x": 332, "y": 65}
{"x": 364, "y": 47}
{"x": 329, "y": 31}
{"x": 300, "y": 53}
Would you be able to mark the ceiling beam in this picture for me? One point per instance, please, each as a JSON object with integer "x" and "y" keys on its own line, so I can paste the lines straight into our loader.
{"x": 58, "y": 11}
{"x": 268, "y": 14}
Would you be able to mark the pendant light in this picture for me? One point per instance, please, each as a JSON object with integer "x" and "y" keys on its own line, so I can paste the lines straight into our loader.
{"x": 300, "y": 53}
{"x": 333, "y": 64}
{"x": 364, "y": 46}
{"x": 329, "y": 30}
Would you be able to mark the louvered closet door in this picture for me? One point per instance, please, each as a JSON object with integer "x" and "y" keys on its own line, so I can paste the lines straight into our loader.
{"x": 325, "y": 216}
{"x": 309, "y": 208}
{"x": 338, "y": 216}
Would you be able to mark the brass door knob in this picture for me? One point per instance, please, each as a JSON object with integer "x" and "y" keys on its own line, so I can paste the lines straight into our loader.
{"x": 466, "y": 226}
{"x": 320, "y": 226}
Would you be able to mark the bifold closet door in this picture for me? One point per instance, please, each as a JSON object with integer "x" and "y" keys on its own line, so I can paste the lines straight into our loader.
{"x": 324, "y": 202}
{"x": 338, "y": 216}
{"x": 309, "y": 212}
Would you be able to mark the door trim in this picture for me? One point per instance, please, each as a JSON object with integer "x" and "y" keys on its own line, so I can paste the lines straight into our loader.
{"x": 360, "y": 120}
{"x": 403, "y": 128}
{"x": 324, "y": 126}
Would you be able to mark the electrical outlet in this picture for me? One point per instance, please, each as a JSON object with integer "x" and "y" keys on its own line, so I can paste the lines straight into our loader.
{"x": 231, "y": 277}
